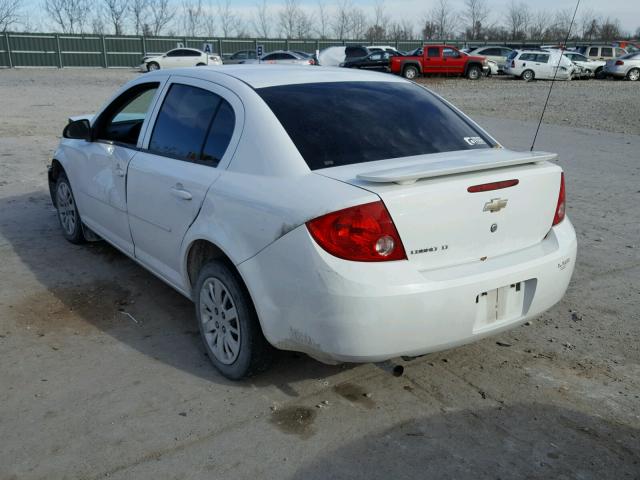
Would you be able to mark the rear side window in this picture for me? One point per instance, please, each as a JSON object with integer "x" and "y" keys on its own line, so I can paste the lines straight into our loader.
{"x": 606, "y": 52}
{"x": 433, "y": 52}
{"x": 192, "y": 126}
{"x": 542, "y": 58}
{"x": 342, "y": 123}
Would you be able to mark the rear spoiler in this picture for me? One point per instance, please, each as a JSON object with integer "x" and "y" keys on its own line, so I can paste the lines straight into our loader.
{"x": 451, "y": 163}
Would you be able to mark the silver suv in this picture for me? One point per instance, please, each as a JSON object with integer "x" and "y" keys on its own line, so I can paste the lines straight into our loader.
{"x": 601, "y": 52}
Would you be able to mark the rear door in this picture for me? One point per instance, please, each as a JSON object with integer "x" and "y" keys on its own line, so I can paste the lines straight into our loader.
{"x": 432, "y": 60}
{"x": 194, "y": 134}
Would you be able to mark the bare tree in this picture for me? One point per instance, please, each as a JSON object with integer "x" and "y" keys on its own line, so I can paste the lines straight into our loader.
{"x": 444, "y": 19}
{"x": 194, "y": 17}
{"x": 322, "y": 20}
{"x": 378, "y": 30}
{"x": 293, "y": 21}
{"x": 227, "y": 17}
{"x": 539, "y": 25}
{"x": 400, "y": 31}
{"x": 609, "y": 29}
{"x": 138, "y": 10}
{"x": 475, "y": 14}
{"x": 70, "y": 16}
{"x": 262, "y": 20}
{"x": 162, "y": 14}
{"x": 559, "y": 29}
{"x": 116, "y": 11}
{"x": 97, "y": 25}
{"x": 518, "y": 18}
{"x": 341, "y": 21}
{"x": 9, "y": 13}
{"x": 357, "y": 23}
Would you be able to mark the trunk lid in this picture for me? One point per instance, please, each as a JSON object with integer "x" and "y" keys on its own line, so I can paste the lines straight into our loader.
{"x": 441, "y": 223}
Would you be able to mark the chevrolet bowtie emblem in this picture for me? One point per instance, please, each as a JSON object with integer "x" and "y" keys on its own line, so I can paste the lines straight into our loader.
{"x": 495, "y": 205}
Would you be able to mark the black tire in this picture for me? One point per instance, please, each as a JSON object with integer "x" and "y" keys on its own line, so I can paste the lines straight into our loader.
{"x": 599, "y": 73}
{"x": 528, "y": 75}
{"x": 152, "y": 66}
{"x": 633, "y": 75}
{"x": 410, "y": 72}
{"x": 474, "y": 72}
{"x": 254, "y": 353}
{"x": 68, "y": 214}
{"x": 200, "y": 64}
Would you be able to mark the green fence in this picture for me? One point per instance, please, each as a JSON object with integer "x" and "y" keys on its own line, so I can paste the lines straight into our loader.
{"x": 64, "y": 50}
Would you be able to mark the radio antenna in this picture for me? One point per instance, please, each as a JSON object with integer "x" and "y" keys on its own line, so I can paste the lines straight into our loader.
{"x": 553, "y": 80}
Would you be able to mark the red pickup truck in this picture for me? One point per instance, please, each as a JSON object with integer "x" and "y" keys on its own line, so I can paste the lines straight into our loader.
{"x": 439, "y": 59}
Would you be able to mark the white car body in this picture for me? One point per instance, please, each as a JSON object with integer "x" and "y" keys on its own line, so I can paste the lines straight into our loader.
{"x": 543, "y": 63}
{"x": 475, "y": 264}
{"x": 589, "y": 66}
{"x": 281, "y": 57}
{"x": 179, "y": 58}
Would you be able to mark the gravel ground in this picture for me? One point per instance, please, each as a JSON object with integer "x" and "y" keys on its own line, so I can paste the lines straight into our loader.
{"x": 102, "y": 373}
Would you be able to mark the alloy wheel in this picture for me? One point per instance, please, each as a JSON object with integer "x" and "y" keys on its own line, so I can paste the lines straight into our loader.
{"x": 66, "y": 208}
{"x": 220, "y": 322}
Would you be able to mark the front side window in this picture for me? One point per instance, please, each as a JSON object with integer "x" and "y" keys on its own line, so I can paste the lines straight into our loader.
{"x": 121, "y": 122}
{"x": 183, "y": 122}
{"x": 449, "y": 52}
{"x": 620, "y": 52}
{"x": 340, "y": 123}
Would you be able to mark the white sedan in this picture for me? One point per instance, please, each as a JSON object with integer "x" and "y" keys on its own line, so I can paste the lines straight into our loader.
{"x": 178, "y": 58}
{"x": 295, "y": 215}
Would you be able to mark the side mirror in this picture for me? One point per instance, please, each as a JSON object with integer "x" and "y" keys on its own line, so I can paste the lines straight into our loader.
{"x": 79, "y": 130}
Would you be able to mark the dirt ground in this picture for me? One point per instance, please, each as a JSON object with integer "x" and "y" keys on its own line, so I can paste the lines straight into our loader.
{"x": 102, "y": 373}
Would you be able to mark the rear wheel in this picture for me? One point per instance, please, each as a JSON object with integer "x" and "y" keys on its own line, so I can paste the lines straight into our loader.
{"x": 410, "y": 72}
{"x": 229, "y": 325}
{"x": 67, "y": 211}
{"x": 474, "y": 72}
{"x": 599, "y": 74}
{"x": 634, "y": 74}
{"x": 153, "y": 66}
{"x": 200, "y": 64}
{"x": 528, "y": 75}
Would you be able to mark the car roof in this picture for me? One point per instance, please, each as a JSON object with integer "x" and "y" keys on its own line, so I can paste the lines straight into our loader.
{"x": 260, "y": 76}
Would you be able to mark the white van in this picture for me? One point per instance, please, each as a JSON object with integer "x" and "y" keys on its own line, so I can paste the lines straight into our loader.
{"x": 539, "y": 64}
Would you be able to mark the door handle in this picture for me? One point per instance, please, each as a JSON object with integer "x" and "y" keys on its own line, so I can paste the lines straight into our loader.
{"x": 119, "y": 171}
{"x": 181, "y": 193}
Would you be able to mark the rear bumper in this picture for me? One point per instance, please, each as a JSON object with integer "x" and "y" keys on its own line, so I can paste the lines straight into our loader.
{"x": 335, "y": 310}
{"x": 614, "y": 71}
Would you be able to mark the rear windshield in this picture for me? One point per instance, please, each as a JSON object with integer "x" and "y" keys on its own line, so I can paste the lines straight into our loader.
{"x": 341, "y": 123}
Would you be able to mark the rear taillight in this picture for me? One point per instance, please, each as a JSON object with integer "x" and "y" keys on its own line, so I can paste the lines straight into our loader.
{"x": 364, "y": 233}
{"x": 311, "y": 62}
{"x": 619, "y": 62}
{"x": 560, "y": 208}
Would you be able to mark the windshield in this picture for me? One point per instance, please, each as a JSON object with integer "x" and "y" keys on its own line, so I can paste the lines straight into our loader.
{"x": 340, "y": 123}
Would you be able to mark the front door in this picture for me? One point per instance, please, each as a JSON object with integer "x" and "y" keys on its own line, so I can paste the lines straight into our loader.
{"x": 453, "y": 62}
{"x": 102, "y": 192}
{"x": 169, "y": 179}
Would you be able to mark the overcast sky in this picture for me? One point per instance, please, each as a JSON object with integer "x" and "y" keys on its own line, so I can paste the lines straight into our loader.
{"x": 627, "y": 11}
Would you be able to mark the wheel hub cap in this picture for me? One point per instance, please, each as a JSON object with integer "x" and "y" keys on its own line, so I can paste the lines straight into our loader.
{"x": 219, "y": 319}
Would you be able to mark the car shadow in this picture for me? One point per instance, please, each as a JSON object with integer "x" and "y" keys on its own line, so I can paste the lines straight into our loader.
{"x": 508, "y": 442}
{"x": 95, "y": 288}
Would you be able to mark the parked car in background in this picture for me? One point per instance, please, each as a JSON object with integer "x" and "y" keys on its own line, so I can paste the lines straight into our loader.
{"x": 385, "y": 48}
{"x": 601, "y": 52}
{"x": 378, "y": 61}
{"x": 297, "y": 213}
{"x": 283, "y": 57}
{"x": 590, "y": 68}
{"x": 539, "y": 64}
{"x": 334, "y": 56}
{"x": 240, "y": 57}
{"x": 178, "y": 58}
{"x": 495, "y": 54}
{"x": 629, "y": 45}
{"x": 439, "y": 59}
{"x": 627, "y": 66}
{"x": 493, "y": 68}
